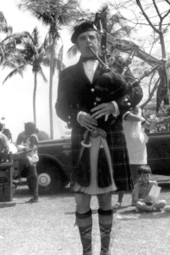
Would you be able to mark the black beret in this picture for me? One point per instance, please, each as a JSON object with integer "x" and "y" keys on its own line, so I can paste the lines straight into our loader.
{"x": 83, "y": 27}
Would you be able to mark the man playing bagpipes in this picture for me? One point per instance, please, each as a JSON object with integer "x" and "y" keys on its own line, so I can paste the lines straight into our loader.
{"x": 84, "y": 103}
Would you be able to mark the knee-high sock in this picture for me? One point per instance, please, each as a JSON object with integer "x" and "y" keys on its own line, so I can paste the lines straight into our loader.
{"x": 84, "y": 222}
{"x": 105, "y": 224}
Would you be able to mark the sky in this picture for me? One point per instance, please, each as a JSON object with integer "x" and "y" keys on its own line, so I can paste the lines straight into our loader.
{"x": 16, "y": 94}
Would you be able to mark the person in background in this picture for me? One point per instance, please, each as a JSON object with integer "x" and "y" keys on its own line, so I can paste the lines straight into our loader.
{"x": 79, "y": 104}
{"x": 22, "y": 137}
{"x": 28, "y": 159}
{"x": 12, "y": 147}
{"x": 131, "y": 122}
{"x": 142, "y": 200}
{"x": 134, "y": 129}
{"x": 4, "y": 145}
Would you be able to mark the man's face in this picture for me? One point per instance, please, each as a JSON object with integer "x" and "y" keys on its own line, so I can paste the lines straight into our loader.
{"x": 88, "y": 40}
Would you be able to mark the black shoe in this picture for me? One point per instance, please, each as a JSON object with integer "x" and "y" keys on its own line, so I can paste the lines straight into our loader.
{"x": 33, "y": 200}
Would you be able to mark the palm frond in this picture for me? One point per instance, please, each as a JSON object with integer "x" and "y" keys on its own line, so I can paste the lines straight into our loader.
{"x": 35, "y": 36}
{"x": 42, "y": 74}
{"x": 13, "y": 60}
{"x": 17, "y": 70}
{"x": 3, "y": 24}
{"x": 52, "y": 11}
{"x": 2, "y": 54}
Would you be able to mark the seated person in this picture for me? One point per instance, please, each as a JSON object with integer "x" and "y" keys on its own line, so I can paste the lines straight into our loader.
{"x": 141, "y": 198}
{"x": 28, "y": 160}
{"x": 136, "y": 140}
{"x": 29, "y": 127}
{"x": 4, "y": 145}
{"x": 12, "y": 147}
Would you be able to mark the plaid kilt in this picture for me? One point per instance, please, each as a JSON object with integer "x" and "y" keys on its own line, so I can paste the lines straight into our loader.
{"x": 119, "y": 155}
{"x": 121, "y": 169}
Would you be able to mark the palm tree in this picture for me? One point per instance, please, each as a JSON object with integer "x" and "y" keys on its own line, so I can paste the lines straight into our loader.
{"x": 4, "y": 27}
{"x": 6, "y": 44}
{"x": 30, "y": 52}
{"x": 53, "y": 14}
{"x": 9, "y": 56}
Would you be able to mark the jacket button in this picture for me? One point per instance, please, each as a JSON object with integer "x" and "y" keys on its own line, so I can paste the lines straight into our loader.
{"x": 92, "y": 90}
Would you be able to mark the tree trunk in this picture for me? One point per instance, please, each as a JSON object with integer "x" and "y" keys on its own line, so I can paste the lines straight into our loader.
{"x": 51, "y": 89}
{"x": 34, "y": 98}
{"x": 151, "y": 94}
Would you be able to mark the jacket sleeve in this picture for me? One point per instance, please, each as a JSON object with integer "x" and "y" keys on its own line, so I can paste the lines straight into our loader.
{"x": 65, "y": 106}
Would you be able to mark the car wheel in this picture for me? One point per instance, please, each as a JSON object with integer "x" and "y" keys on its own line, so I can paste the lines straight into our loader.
{"x": 49, "y": 179}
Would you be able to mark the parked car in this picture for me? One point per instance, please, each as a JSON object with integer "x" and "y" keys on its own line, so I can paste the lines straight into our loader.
{"x": 54, "y": 166}
{"x": 158, "y": 149}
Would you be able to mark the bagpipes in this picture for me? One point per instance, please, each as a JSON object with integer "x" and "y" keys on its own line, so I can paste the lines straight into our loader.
{"x": 97, "y": 22}
{"x": 108, "y": 66}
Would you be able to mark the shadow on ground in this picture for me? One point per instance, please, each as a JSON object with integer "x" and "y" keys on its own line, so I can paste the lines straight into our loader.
{"x": 23, "y": 191}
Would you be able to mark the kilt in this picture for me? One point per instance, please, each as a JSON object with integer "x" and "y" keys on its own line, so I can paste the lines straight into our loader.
{"x": 81, "y": 171}
{"x": 98, "y": 144}
{"x": 120, "y": 159}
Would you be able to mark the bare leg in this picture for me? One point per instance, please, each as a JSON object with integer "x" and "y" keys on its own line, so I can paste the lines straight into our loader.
{"x": 119, "y": 201}
{"x": 160, "y": 205}
{"x": 120, "y": 196}
{"x": 142, "y": 207}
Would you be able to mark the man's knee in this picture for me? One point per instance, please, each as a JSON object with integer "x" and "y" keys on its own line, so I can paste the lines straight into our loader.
{"x": 105, "y": 201}
{"x": 160, "y": 204}
{"x": 140, "y": 205}
{"x": 82, "y": 202}
{"x": 84, "y": 219}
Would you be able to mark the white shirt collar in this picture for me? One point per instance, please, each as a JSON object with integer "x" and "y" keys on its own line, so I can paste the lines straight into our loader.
{"x": 90, "y": 67}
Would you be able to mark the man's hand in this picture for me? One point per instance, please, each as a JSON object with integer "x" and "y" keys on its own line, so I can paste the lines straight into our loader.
{"x": 104, "y": 109}
{"x": 86, "y": 120}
